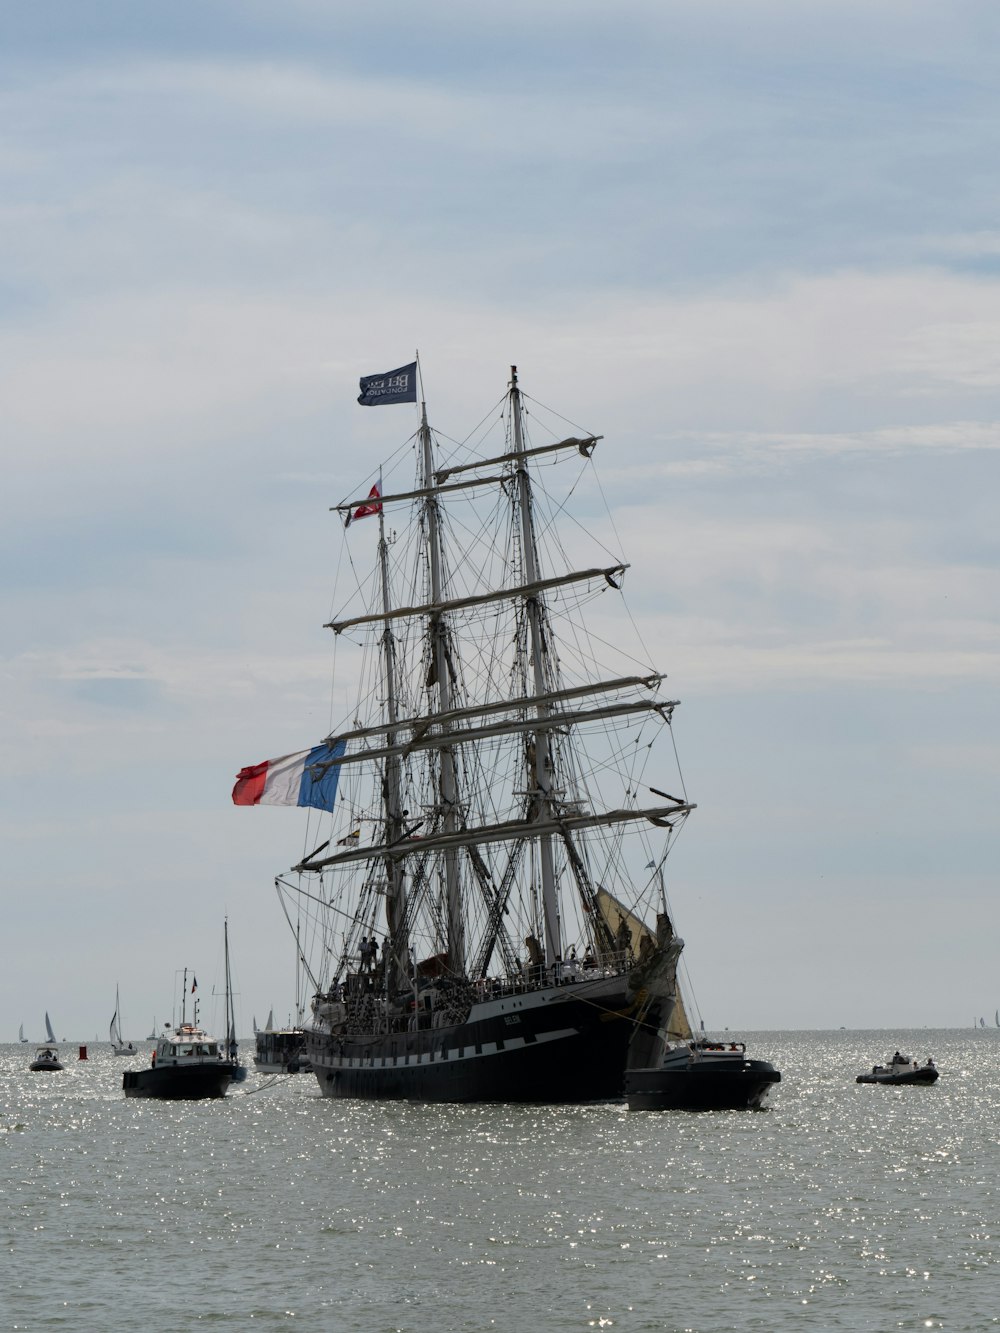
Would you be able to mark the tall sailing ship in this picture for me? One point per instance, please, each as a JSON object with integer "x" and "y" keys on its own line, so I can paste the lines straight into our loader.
{"x": 484, "y": 889}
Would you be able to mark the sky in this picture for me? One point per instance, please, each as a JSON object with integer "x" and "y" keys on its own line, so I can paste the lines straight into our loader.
{"x": 754, "y": 245}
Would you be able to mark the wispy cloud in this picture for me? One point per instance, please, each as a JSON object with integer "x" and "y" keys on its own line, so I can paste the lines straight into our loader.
{"x": 752, "y": 245}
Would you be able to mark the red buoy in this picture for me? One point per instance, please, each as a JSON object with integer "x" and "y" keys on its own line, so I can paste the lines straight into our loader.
{"x": 83, "y": 1052}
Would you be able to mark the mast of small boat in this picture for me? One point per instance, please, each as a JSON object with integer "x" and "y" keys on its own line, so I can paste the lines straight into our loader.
{"x": 397, "y": 965}
{"x": 231, "y": 1047}
{"x": 540, "y": 778}
{"x": 299, "y": 1005}
{"x": 437, "y": 630}
{"x": 184, "y": 992}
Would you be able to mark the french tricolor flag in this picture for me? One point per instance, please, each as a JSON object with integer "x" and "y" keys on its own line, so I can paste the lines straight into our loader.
{"x": 307, "y": 778}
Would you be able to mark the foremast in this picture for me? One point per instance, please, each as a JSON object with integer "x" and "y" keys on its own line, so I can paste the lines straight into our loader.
{"x": 397, "y": 964}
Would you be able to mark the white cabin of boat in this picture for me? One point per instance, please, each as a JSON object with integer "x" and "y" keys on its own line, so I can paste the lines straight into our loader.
{"x": 187, "y": 1045}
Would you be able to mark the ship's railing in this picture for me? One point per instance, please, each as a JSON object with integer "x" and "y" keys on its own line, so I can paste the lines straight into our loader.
{"x": 426, "y": 1008}
{"x": 537, "y": 976}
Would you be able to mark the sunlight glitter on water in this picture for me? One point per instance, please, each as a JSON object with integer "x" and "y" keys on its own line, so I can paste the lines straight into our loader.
{"x": 844, "y": 1207}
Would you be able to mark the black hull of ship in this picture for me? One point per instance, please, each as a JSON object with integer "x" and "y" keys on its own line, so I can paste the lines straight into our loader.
{"x": 744, "y": 1086}
{"x": 564, "y": 1044}
{"x": 180, "y": 1083}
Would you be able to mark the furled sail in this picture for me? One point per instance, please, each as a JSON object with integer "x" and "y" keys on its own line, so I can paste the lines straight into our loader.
{"x": 624, "y": 924}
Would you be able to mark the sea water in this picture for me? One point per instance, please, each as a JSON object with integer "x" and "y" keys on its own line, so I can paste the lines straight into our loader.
{"x": 844, "y": 1206}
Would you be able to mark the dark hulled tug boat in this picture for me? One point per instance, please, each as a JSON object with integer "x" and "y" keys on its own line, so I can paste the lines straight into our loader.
{"x": 667, "y": 1069}
{"x": 187, "y": 1065}
{"x": 702, "y": 1076}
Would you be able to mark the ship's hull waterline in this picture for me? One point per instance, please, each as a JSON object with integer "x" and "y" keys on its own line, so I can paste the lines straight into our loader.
{"x": 560, "y": 1044}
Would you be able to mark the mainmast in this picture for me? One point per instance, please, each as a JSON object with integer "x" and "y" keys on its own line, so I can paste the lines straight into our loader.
{"x": 539, "y": 762}
{"x": 440, "y": 674}
{"x": 397, "y": 953}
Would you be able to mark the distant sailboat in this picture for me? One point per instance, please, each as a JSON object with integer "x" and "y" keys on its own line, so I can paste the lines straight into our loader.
{"x": 50, "y": 1036}
{"x": 118, "y": 1045}
{"x": 152, "y": 1035}
{"x": 232, "y": 1047}
{"x": 20, "y": 1033}
{"x": 996, "y": 1018}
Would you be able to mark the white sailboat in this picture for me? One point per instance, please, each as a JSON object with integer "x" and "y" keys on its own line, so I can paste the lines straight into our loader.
{"x": 239, "y": 1071}
{"x": 20, "y": 1034}
{"x": 118, "y": 1045}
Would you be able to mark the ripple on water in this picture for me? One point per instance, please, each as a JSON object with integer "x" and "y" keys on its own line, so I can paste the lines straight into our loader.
{"x": 844, "y": 1207}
